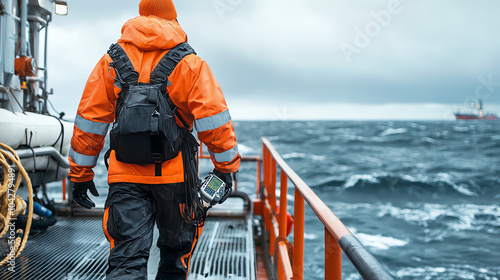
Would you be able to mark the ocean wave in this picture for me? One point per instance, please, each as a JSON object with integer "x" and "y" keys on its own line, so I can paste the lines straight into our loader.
{"x": 310, "y": 236}
{"x": 246, "y": 150}
{"x": 450, "y": 272}
{"x": 442, "y": 182}
{"x": 393, "y": 131}
{"x": 303, "y": 155}
{"x": 461, "y": 188}
{"x": 380, "y": 242}
{"x": 360, "y": 179}
{"x": 428, "y": 140}
{"x": 461, "y": 128}
{"x": 362, "y": 139}
{"x": 455, "y": 218}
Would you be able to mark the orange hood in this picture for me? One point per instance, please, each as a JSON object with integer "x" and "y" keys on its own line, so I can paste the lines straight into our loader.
{"x": 152, "y": 33}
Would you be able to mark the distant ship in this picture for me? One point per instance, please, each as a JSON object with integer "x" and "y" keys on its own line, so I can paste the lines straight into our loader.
{"x": 480, "y": 115}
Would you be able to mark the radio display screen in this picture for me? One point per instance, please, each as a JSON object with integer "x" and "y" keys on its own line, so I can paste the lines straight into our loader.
{"x": 214, "y": 184}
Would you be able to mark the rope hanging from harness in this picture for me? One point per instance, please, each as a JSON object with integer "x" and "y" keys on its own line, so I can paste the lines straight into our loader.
{"x": 194, "y": 211}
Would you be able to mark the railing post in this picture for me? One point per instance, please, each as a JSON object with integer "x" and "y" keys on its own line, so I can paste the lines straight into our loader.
{"x": 271, "y": 196}
{"x": 266, "y": 167}
{"x": 272, "y": 188}
{"x": 333, "y": 257}
{"x": 64, "y": 191}
{"x": 298, "y": 236}
{"x": 258, "y": 178}
{"x": 282, "y": 216}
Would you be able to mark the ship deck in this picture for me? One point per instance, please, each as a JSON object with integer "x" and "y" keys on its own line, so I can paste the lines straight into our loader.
{"x": 76, "y": 248}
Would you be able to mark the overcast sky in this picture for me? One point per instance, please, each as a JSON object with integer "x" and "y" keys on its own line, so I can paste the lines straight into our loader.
{"x": 298, "y": 59}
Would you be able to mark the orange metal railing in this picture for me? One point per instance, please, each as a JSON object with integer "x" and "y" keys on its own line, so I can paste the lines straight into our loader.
{"x": 337, "y": 236}
{"x": 243, "y": 159}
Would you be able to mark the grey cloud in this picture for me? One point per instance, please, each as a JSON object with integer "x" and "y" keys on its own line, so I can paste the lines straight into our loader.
{"x": 431, "y": 52}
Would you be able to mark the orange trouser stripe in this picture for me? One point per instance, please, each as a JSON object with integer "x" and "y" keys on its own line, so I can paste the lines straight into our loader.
{"x": 188, "y": 265}
{"x": 105, "y": 227}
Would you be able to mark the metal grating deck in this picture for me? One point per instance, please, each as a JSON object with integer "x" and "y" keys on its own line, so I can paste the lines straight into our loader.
{"x": 225, "y": 251}
{"x": 76, "y": 249}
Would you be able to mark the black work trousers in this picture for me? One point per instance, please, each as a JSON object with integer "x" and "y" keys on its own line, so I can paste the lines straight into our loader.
{"x": 131, "y": 211}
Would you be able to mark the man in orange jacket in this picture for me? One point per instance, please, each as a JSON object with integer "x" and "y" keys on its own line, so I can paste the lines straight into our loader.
{"x": 142, "y": 194}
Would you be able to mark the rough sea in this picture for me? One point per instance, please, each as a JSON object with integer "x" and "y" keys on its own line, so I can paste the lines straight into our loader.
{"x": 423, "y": 197}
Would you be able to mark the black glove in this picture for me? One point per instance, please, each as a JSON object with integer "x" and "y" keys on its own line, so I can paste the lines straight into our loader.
{"x": 80, "y": 193}
{"x": 228, "y": 179}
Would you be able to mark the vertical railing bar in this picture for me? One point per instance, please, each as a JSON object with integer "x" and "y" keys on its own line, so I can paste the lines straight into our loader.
{"x": 271, "y": 222}
{"x": 333, "y": 257}
{"x": 264, "y": 165}
{"x": 64, "y": 189}
{"x": 283, "y": 203}
{"x": 298, "y": 236}
{"x": 272, "y": 190}
{"x": 258, "y": 177}
{"x": 282, "y": 215}
{"x": 267, "y": 167}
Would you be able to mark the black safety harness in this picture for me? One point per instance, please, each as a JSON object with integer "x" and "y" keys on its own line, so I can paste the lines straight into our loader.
{"x": 145, "y": 130}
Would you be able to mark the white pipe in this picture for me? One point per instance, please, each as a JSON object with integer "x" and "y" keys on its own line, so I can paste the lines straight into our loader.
{"x": 24, "y": 23}
{"x": 41, "y": 130}
{"x": 44, "y": 151}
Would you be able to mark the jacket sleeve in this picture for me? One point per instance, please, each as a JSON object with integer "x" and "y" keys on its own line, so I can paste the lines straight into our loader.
{"x": 212, "y": 120}
{"x": 95, "y": 112}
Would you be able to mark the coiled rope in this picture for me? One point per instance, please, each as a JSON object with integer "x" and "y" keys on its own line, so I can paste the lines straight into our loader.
{"x": 12, "y": 205}
{"x": 193, "y": 210}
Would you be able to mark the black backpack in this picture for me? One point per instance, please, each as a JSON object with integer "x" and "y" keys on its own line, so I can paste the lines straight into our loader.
{"x": 145, "y": 130}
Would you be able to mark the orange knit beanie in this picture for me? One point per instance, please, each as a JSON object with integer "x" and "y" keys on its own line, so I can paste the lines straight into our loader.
{"x": 160, "y": 8}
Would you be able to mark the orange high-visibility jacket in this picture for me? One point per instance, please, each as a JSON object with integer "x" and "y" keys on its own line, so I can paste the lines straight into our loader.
{"x": 194, "y": 90}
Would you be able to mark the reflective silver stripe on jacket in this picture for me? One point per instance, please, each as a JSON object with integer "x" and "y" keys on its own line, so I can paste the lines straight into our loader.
{"x": 212, "y": 122}
{"x": 83, "y": 160}
{"x": 226, "y": 156}
{"x": 97, "y": 128}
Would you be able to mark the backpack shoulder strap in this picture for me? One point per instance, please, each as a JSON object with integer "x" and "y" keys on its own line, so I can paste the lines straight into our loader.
{"x": 168, "y": 63}
{"x": 123, "y": 66}
{"x": 165, "y": 67}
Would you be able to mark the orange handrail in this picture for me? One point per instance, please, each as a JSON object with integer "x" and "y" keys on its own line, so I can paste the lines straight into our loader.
{"x": 244, "y": 159}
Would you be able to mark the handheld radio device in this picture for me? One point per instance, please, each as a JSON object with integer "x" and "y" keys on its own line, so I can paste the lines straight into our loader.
{"x": 212, "y": 189}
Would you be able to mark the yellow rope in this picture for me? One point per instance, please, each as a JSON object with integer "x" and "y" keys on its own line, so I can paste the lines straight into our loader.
{"x": 17, "y": 204}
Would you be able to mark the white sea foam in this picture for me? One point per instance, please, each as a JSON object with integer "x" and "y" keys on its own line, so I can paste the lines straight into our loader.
{"x": 353, "y": 276}
{"x": 303, "y": 155}
{"x": 421, "y": 272}
{"x": 392, "y": 131}
{"x": 428, "y": 140}
{"x": 446, "y": 178}
{"x": 461, "y": 128}
{"x": 378, "y": 241}
{"x": 354, "y": 179}
{"x": 465, "y": 272}
{"x": 310, "y": 236}
{"x": 463, "y": 216}
{"x": 246, "y": 150}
